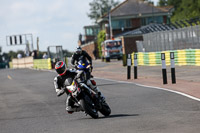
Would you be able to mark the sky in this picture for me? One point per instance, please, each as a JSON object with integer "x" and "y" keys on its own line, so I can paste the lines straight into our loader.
{"x": 55, "y": 22}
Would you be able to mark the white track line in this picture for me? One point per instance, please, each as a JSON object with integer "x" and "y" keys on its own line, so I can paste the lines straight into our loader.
{"x": 158, "y": 88}
{"x": 177, "y": 92}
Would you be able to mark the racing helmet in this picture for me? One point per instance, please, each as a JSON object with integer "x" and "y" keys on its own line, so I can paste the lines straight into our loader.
{"x": 61, "y": 68}
{"x": 78, "y": 50}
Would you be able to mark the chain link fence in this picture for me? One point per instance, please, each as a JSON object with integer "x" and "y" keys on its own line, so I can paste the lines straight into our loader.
{"x": 184, "y": 38}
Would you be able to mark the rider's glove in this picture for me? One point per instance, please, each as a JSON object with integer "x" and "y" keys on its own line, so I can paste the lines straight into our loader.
{"x": 60, "y": 92}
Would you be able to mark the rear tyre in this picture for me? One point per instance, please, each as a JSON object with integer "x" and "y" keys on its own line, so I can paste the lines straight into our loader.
{"x": 88, "y": 106}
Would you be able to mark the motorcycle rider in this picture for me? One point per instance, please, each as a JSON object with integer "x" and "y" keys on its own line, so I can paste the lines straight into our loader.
{"x": 81, "y": 54}
{"x": 59, "y": 81}
{"x": 78, "y": 55}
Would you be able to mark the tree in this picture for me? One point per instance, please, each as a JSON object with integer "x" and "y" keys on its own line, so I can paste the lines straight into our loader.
{"x": 100, "y": 7}
{"x": 175, "y": 3}
{"x": 186, "y": 9}
{"x": 149, "y": 1}
{"x": 67, "y": 53}
{"x": 12, "y": 55}
{"x": 101, "y": 37}
{"x": 163, "y": 3}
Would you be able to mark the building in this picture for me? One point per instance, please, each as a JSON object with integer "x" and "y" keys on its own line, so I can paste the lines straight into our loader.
{"x": 133, "y": 14}
{"x": 89, "y": 42}
{"x": 129, "y": 16}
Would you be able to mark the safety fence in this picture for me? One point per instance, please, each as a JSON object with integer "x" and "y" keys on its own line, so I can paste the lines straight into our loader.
{"x": 22, "y": 62}
{"x": 181, "y": 57}
{"x": 183, "y": 38}
{"x": 29, "y": 62}
{"x": 10, "y": 64}
{"x": 42, "y": 63}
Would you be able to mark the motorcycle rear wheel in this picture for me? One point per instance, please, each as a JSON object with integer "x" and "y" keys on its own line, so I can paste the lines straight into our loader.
{"x": 88, "y": 106}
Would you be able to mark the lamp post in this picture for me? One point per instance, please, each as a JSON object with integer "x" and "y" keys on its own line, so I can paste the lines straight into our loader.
{"x": 110, "y": 24}
{"x": 152, "y": 11}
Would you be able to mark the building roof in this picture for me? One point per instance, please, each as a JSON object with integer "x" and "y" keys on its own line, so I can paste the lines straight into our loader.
{"x": 148, "y": 29}
{"x": 91, "y": 26}
{"x": 135, "y": 7}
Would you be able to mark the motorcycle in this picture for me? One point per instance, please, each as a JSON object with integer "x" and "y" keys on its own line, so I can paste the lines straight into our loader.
{"x": 85, "y": 97}
{"x": 85, "y": 67}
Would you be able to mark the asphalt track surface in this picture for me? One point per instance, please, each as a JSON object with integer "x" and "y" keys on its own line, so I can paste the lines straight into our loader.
{"x": 28, "y": 104}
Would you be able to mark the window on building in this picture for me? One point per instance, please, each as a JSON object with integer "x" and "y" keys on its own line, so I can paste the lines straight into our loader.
{"x": 118, "y": 24}
{"x": 96, "y": 31}
{"x": 143, "y": 21}
{"x": 92, "y": 31}
{"x": 158, "y": 19}
{"x": 155, "y": 19}
{"x": 89, "y": 31}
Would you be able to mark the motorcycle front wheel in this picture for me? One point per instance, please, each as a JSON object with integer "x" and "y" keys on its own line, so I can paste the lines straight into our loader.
{"x": 105, "y": 110}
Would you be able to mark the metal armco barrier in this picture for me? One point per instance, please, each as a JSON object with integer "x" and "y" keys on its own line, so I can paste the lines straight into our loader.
{"x": 164, "y": 70}
{"x": 181, "y": 57}
{"x": 129, "y": 66}
{"x": 135, "y": 66}
{"x": 173, "y": 75}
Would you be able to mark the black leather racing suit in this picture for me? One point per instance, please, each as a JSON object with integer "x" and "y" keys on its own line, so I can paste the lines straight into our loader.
{"x": 59, "y": 84}
{"x": 76, "y": 57}
{"x": 83, "y": 56}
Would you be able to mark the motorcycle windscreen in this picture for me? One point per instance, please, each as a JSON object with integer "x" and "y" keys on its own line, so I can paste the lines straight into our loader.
{"x": 68, "y": 81}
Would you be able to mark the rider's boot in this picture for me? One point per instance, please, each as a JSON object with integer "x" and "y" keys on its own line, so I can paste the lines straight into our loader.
{"x": 70, "y": 107}
{"x": 73, "y": 109}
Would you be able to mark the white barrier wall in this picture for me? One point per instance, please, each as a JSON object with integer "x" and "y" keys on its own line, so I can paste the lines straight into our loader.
{"x": 26, "y": 62}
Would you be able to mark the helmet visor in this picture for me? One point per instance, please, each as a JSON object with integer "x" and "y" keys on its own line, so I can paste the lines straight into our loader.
{"x": 61, "y": 70}
{"x": 78, "y": 50}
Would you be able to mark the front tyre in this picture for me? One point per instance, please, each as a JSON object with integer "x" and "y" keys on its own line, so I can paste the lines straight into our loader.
{"x": 88, "y": 106}
{"x": 105, "y": 110}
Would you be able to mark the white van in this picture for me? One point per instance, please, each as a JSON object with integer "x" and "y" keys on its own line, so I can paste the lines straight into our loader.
{"x": 111, "y": 49}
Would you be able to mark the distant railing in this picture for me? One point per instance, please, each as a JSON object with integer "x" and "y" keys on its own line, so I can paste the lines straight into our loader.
{"x": 183, "y": 38}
